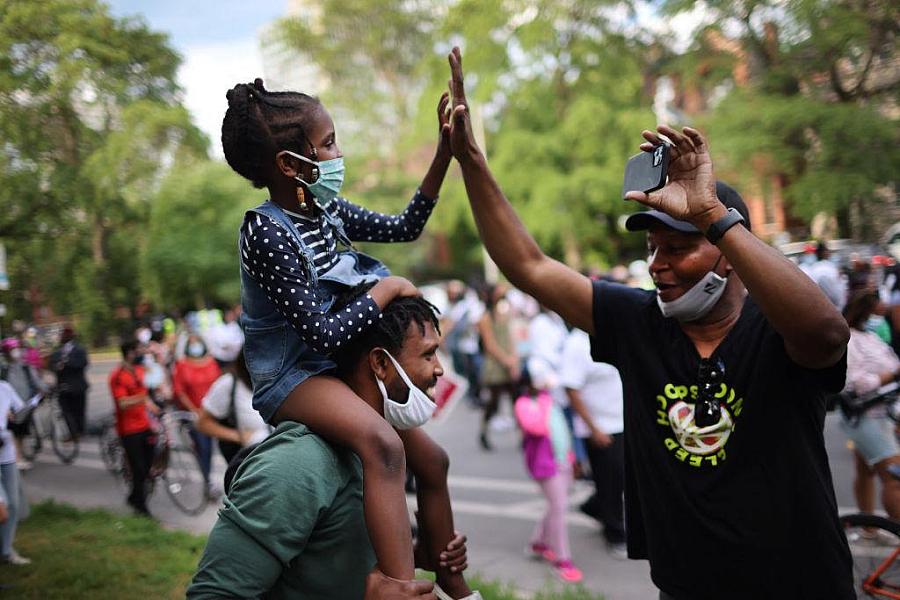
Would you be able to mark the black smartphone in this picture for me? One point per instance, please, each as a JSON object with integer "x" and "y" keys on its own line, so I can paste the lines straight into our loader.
{"x": 646, "y": 172}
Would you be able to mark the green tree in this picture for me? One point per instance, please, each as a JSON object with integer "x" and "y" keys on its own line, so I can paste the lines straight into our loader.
{"x": 191, "y": 256}
{"x": 90, "y": 121}
{"x": 813, "y": 84}
{"x": 369, "y": 55}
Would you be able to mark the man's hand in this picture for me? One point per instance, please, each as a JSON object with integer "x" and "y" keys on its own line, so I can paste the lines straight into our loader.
{"x": 453, "y": 557}
{"x": 4, "y": 513}
{"x": 462, "y": 140}
{"x": 381, "y": 587}
{"x": 690, "y": 194}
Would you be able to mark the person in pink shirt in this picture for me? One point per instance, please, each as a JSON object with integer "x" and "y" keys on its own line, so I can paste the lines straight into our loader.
{"x": 194, "y": 375}
{"x": 547, "y": 447}
{"x": 871, "y": 363}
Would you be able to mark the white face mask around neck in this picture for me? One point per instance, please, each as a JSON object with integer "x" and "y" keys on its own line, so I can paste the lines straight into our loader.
{"x": 699, "y": 300}
{"x": 417, "y": 409}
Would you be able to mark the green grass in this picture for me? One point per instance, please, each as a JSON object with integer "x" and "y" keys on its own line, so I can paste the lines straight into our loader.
{"x": 494, "y": 590}
{"x": 98, "y": 555}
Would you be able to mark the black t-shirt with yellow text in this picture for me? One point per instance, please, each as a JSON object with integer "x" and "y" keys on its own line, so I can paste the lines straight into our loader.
{"x": 741, "y": 509}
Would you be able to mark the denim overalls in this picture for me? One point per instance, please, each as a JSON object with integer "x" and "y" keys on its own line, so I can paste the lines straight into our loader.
{"x": 277, "y": 358}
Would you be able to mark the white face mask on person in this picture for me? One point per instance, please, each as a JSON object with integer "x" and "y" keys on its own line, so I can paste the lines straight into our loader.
{"x": 195, "y": 350}
{"x": 698, "y": 301}
{"x": 417, "y": 409}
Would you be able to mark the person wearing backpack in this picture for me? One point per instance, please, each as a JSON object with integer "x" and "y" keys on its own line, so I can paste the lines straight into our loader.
{"x": 26, "y": 381}
{"x": 227, "y": 412}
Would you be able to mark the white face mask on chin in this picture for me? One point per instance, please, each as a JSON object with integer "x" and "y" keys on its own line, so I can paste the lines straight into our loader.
{"x": 417, "y": 409}
{"x": 698, "y": 301}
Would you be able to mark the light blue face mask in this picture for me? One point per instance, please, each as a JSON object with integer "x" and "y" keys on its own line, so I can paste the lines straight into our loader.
{"x": 328, "y": 177}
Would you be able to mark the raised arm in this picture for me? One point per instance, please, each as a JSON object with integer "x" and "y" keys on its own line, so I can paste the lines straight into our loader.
{"x": 553, "y": 284}
{"x": 815, "y": 334}
{"x": 363, "y": 225}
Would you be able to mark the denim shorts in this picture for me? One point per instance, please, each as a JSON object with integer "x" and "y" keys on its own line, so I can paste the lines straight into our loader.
{"x": 873, "y": 437}
{"x": 274, "y": 393}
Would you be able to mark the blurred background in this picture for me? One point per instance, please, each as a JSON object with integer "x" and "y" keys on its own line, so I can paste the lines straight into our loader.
{"x": 116, "y": 203}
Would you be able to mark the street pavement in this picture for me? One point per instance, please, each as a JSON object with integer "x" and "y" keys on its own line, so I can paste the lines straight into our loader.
{"x": 494, "y": 502}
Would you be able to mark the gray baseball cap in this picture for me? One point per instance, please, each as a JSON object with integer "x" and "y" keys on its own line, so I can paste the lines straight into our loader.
{"x": 726, "y": 194}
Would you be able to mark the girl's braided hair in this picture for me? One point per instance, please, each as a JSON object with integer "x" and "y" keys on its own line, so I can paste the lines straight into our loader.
{"x": 258, "y": 124}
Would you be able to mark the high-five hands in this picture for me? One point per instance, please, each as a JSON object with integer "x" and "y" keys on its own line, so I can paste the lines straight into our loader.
{"x": 690, "y": 194}
{"x": 462, "y": 141}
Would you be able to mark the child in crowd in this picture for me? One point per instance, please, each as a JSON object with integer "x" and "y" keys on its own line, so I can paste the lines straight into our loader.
{"x": 292, "y": 269}
{"x": 547, "y": 447}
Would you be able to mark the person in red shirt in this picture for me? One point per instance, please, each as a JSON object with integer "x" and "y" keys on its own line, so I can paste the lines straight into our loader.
{"x": 194, "y": 375}
{"x": 132, "y": 401}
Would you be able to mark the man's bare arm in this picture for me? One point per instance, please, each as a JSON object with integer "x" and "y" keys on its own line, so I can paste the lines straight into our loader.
{"x": 553, "y": 284}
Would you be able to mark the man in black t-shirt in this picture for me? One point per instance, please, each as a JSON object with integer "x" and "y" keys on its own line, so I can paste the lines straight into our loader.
{"x": 724, "y": 367}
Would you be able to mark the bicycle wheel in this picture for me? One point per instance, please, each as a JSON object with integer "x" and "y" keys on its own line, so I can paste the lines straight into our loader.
{"x": 875, "y": 545}
{"x": 65, "y": 445}
{"x": 183, "y": 480}
{"x": 111, "y": 451}
{"x": 31, "y": 441}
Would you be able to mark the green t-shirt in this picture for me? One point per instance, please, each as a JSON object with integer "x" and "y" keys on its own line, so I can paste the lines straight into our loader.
{"x": 292, "y": 525}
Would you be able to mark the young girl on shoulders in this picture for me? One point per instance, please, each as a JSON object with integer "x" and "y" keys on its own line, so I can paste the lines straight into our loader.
{"x": 297, "y": 256}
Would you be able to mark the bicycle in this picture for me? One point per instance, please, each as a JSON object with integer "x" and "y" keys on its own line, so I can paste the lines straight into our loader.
{"x": 874, "y": 540}
{"x": 46, "y": 420}
{"x": 875, "y": 546}
{"x": 174, "y": 460}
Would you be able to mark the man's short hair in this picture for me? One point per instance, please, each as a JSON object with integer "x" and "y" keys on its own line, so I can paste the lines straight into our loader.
{"x": 128, "y": 345}
{"x": 389, "y": 331}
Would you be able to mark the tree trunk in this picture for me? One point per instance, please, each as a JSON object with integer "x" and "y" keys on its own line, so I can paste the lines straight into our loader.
{"x": 98, "y": 242}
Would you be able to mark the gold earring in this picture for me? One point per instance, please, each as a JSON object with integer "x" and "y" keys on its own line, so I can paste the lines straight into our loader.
{"x": 301, "y": 198}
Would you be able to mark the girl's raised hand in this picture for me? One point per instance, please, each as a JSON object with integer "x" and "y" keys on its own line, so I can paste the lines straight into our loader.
{"x": 443, "y": 114}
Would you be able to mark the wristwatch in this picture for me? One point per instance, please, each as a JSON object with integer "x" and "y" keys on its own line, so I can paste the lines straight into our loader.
{"x": 718, "y": 229}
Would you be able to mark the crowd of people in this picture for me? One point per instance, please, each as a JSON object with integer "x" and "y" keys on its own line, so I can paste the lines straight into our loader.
{"x": 508, "y": 347}
{"x": 867, "y": 293}
{"x": 197, "y": 366}
{"x": 30, "y": 364}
